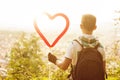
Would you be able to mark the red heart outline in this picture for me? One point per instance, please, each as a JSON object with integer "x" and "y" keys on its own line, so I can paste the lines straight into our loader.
{"x": 60, "y": 35}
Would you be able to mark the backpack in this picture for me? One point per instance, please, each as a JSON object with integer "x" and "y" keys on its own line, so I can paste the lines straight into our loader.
{"x": 89, "y": 64}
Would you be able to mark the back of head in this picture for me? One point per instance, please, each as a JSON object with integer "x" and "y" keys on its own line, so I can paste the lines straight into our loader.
{"x": 89, "y": 22}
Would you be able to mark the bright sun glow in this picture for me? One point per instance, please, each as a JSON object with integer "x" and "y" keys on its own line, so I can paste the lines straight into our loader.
{"x": 19, "y": 15}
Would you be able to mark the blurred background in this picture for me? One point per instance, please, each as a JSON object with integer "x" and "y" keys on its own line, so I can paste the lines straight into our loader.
{"x": 19, "y": 42}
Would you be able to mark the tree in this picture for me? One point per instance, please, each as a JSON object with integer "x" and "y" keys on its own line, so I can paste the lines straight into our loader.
{"x": 25, "y": 60}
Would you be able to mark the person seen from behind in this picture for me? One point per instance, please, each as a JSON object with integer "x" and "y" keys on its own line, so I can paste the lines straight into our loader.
{"x": 85, "y": 53}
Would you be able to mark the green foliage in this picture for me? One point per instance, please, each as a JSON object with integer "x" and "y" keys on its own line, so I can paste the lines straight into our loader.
{"x": 112, "y": 78}
{"x": 113, "y": 60}
{"x": 25, "y": 60}
{"x": 60, "y": 75}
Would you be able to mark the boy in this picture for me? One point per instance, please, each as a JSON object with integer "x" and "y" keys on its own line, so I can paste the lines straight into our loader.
{"x": 88, "y": 25}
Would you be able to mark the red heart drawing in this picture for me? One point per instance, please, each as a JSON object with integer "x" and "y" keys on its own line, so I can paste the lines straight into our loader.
{"x": 60, "y": 35}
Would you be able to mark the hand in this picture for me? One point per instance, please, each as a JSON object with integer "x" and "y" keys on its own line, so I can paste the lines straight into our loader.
{"x": 52, "y": 58}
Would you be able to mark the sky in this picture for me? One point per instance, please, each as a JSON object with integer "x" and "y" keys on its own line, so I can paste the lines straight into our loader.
{"x": 20, "y": 14}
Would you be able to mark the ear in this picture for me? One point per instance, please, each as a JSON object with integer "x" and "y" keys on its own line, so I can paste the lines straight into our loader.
{"x": 81, "y": 26}
{"x": 95, "y": 27}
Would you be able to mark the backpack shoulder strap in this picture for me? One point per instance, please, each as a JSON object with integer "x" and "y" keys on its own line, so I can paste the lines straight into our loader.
{"x": 97, "y": 45}
{"x": 78, "y": 42}
{"x": 72, "y": 67}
